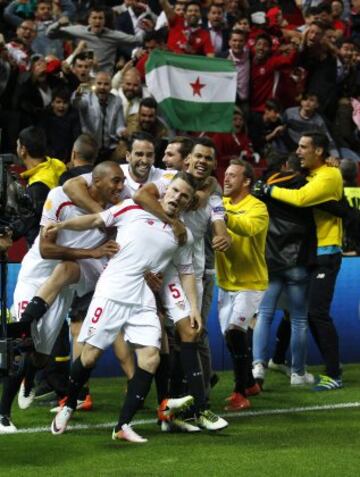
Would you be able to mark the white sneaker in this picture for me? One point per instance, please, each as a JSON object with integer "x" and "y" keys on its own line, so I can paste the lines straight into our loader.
{"x": 60, "y": 422}
{"x": 282, "y": 368}
{"x": 259, "y": 372}
{"x": 127, "y": 433}
{"x": 178, "y": 425}
{"x": 25, "y": 400}
{"x": 6, "y": 426}
{"x": 210, "y": 421}
{"x": 301, "y": 379}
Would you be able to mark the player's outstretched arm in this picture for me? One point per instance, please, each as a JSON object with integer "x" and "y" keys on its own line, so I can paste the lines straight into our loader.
{"x": 49, "y": 249}
{"x": 77, "y": 190}
{"x": 148, "y": 198}
{"x": 85, "y": 222}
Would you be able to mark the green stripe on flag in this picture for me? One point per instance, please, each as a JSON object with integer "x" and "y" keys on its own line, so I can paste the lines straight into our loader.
{"x": 188, "y": 62}
{"x": 191, "y": 116}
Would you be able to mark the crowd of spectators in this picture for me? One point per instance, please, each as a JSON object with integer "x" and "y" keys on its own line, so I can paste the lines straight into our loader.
{"x": 71, "y": 66}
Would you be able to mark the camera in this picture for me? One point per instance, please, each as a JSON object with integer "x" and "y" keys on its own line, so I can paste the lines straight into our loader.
{"x": 84, "y": 88}
{"x": 12, "y": 347}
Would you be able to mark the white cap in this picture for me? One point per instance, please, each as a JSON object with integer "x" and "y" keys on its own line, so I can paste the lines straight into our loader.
{"x": 258, "y": 18}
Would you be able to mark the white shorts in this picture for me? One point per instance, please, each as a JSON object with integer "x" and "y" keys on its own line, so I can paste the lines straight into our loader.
{"x": 237, "y": 308}
{"x": 35, "y": 268}
{"x": 173, "y": 297}
{"x": 106, "y": 318}
{"x": 44, "y": 331}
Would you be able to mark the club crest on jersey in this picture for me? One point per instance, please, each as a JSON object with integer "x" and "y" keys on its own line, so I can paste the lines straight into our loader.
{"x": 150, "y": 221}
{"x": 181, "y": 304}
{"x": 48, "y": 204}
{"x": 91, "y": 331}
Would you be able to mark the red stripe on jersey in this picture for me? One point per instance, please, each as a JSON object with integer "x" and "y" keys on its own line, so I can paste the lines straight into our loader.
{"x": 61, "y": 206}
{"x": 125, "y": 209}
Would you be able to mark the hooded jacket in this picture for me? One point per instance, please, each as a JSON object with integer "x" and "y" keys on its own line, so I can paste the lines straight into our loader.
{"x": 291, "y": 239}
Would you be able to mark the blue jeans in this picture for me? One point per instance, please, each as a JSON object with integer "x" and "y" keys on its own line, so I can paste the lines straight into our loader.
{"x": 295, "y": 283}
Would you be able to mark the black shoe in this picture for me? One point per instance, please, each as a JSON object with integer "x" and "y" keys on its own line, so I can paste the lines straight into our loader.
{"x": 6, "y": 426}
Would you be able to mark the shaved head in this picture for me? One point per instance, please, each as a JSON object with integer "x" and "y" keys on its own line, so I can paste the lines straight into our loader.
{"x": 131, "y": 84}
{"x": 103, "y": 75}
{"x": 132, "y": 73}
{"x": 107, "y": 183}
{"x": 105, "y": 168}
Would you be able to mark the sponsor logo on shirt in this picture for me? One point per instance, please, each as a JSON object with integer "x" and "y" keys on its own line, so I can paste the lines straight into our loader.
{"x": 168, "y": 175}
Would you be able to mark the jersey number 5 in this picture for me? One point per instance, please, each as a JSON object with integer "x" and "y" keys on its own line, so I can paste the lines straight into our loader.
{"x": 175, "y": 292}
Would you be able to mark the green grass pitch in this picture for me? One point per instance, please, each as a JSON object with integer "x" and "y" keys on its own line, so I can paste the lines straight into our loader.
{"x": 314, "y": 434}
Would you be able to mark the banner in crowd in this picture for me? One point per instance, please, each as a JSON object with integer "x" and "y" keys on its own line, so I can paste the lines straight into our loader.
{"x": 195, "y": 93}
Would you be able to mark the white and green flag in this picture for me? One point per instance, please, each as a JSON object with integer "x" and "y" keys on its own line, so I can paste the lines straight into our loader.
{"x": 196, "y": 93}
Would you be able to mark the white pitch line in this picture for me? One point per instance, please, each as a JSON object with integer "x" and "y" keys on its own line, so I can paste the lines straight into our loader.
{"x": 265, "y": 412}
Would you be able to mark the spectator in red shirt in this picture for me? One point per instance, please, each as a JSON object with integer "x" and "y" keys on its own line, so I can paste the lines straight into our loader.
{"x": 19, "y": 48}
{"x": 236, "y": 143}
{"x": 186, "y": 34}
{"x": 153, "y": 40}
{"x": 259, "y": 26}
{"x": 326, "y": 16}
{"x": 264, "y": 69}
{"x": 337, "y": 10}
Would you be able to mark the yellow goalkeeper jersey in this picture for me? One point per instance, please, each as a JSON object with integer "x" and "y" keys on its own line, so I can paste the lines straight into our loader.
{"x": 324, "y": 183}
{"x": 243, "y": 266}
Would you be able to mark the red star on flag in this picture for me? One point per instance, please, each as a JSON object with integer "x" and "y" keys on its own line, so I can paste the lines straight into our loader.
{"x": 197, "y": 87}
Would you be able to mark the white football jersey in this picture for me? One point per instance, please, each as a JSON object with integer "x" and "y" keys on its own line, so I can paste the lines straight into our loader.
{"x": 154, "y": 175}
{"x": 197, "y": 221}
{"x": 146, "y": 244}
{"x": 57, "y": 208}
